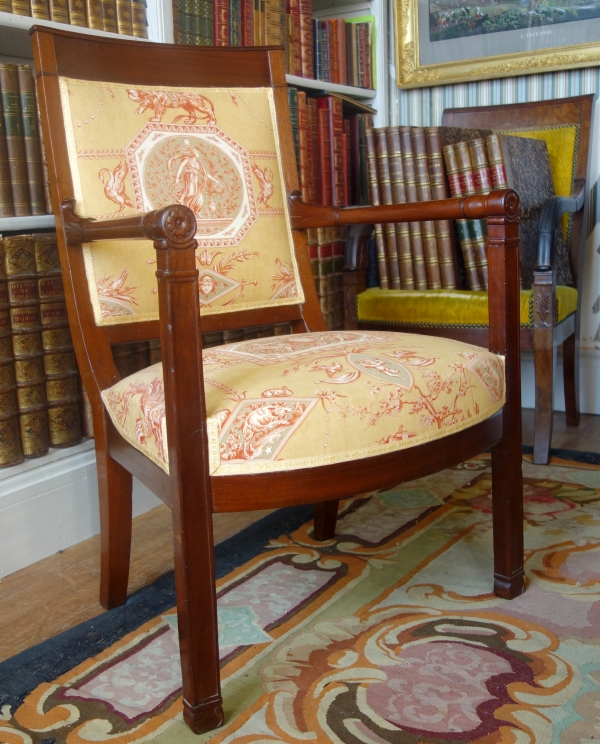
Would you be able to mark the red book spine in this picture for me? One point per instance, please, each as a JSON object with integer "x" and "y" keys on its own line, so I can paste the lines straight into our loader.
{"x": 334, "y": 69}
{"x": 324, "y": 156}
{"x": 314, "y": 139}
{"x": 345, "y": 140}
{"x": 342, "y": 61}
{"x": 336, "y": 145}
{"x": 247, "y": 22}
{"x": 310, "y": 156}
{"x": 221, "y": 22}
{"x": 306, "y": 39}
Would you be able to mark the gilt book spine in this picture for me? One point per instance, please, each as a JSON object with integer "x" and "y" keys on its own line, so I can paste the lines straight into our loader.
{"x": 59, "y": 11}
{"x": 462, "y": 226}
{"x": 385, "y": 195}
{"x": 481, "y": 170}
{"x": 437, "y": 180}
{"x": 496, "y": 162}
{"x": 109, "y": 18}
{"x": 93, "y": 12}
{"x": 31, "y": 137}
{"x": 407, "y": 276}
{"x": 208, "y": 17}
{"x": 304, "y": 136}
{"x": 25, "y": 322}
{"x": 123, "y": 16}
{"x": 6, "y": 197}
{"x": 21, "y": 7}
{"x": 77, "y": 13}
{"x": 221, "y": 22}
{"x": 316, "y": 156}
{"x": 410, "y": 185}
{"x": 139, "y": 21}
{"x": 334, "y": 69}
{"x": 338, "y": 246}
{"x": 325, "y": 272}
{"x": 325, "y": 178}
{"x": 10, "y": 443}
{"x": 60, "y": 368}
{"x": 40, "y": 9}
{"x": 423, "y": 186}
{"x": 342, "y": 54}
{"x": 312, "y": 244}
{"x": 354, "y": 165}
{"x": 333, "y": 107}
{"x": 476, "y": 227}
{"x": 295, "y": 13}
{"x": 15, "y": 140}
{"x": 235, "y": 23}
{"x": 292, "y": 94}
{"x": 375, "y": 199}
{"x": 5, "y": 6}
{"x": 247, "y": 22}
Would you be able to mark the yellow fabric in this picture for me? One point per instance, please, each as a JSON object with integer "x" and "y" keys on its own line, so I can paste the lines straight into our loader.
{"x": 306, "y": 400}
{"x": 562, "y": 149}
{"x": 216, "y": 150}
{"x": 448, "y": 307}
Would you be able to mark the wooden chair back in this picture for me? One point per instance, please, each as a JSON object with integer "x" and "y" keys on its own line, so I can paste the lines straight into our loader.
{"x": 135, "y": 126}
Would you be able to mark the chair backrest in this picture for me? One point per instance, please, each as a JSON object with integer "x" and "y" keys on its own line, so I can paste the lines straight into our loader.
{"x": 135, "y": 126}
{"x": 566, "y": 126}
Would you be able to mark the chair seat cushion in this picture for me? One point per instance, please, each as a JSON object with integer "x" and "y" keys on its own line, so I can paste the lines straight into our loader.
{"x": 312, "y": 399}
{"x": 449, "y": 308}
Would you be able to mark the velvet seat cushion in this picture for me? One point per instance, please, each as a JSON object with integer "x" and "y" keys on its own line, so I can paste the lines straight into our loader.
{"x": 312, "y": 399}
{"x": 450, "y": 308}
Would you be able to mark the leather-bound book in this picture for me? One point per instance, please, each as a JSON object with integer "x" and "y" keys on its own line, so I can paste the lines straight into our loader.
{"x": 407, "y": 277}
{"x": 93, "y": 12}
{"x": 338, "y": 248}
{"x": 207, "y": 10}
{"x": 139, "y": 20}
{"x": 496, "y": 162}
{"x": 375, "y": 200}
{"x": 476, "y": 227}
{"x": 342, "y": 62}
{"x": 109, "y": 18}
{"x": 313, "y": 253}
{"x": 5, "y": 6}
{"x": 439, "y": 190}
{"x": 325, "y": 287}
{"x": 247, "y": 22}
{"x": 314, "y": 141}
{"x": 351, "y": 61}
{"x": 15, "y": 140}
{"x": 292, "y": 94}
{"x": 6, "y": 198}
{"x": 232, "y": 336}
{"x": 40, "y": 9}
{"x": 335, "y": 120}
{"x": 324, "y": 140}
{"x": 352, "y": 124}
{"x": 25, "y": 322}
{"x": 155, "y": 350}
{"x": 21, "y": 7}
{"x": 123, "y": 16}
{"x": 306, "y": 163}
{"x": 10, "y": 443}
{"x": 464, "y": 234}
{"x": 221, "y": 22}
{"x": 59, "y": 11}
{"x": 481, "y": 170}
{"x": 235, "y": 23}
{"x": 77, "y": 15}
{"x": 295, "y": 13}
{"x": 334, "y": 51}
{"x": 428, "y": 231}
{"x": 385, "y": 194}
{"x": 62, "y": 377}
{"x": 31, "y": 137}
{"x": 212, "y": 338}
{"x": 410, "y": 186}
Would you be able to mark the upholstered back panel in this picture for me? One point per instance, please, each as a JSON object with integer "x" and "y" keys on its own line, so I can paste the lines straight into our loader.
{"x": 134, "y": 149}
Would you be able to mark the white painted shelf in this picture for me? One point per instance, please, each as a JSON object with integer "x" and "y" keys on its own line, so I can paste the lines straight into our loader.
{"x": 30, "y": 222}
{"x": 346, "y": 90}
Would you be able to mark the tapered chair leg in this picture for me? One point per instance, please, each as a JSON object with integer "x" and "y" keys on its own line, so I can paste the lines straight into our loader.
{"x": 571, "y": 379}
{"x": 325, "y": 519}
{"x": 114, "y": 486}
{"x": 544, "y": 359}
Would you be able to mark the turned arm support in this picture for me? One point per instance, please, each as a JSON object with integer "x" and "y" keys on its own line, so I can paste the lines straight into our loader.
{"x": 552, "y": 211}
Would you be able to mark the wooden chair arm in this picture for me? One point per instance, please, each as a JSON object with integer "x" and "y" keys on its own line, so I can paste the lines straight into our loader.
{"x": 471, "y": 207}
{"x": 549, "y": 223}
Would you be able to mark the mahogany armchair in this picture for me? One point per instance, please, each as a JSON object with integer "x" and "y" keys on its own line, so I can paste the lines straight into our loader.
{"x": 203, "y": 229}
{"x": 550, "y": 303}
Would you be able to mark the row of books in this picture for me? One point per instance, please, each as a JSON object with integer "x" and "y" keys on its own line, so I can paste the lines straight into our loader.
{"x": 23, "y": 178}
{"x": 117, "y": 16}
{"x": 39, "y": 381}
{"x": 332, "y": 50}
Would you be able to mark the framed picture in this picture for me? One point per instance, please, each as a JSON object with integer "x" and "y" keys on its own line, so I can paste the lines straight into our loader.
{"x": 450, "y": 41}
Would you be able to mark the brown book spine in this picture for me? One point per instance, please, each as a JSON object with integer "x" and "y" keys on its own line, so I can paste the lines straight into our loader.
{"x": 325, "y": 287}
{"x": 24, "y": 308}
{"x": 156, "y": 351}
{"x": 40, "y": 9}
{"x": 31, "y": 136}
{"x": 342, "y": 60}
{"x": 481, "y": 170}
{"x": 305, "y": 166}
{"x": 10, "y": 443}
{"x": 93, "y": 12}
{"x": 247, "y": 22}
{"x": 6, "y": 198}
{"x": 476, "y": 227}
{"x": 316, "y": 156}
{"x": 5, "y": 6}
{"x": 375, "y": 200}
{"x": 385, "y": 194}
{"x": 295, "y": 13}
{"x": 428, "y": 232}
{"x": 15, "y": 141}
{"x": 496, "y": 162}
{"x": 45, "y": 174}
{"x": 336, "y": 144}
{"x": 407, "y": 276}
{"x": 410, "y": 186}
{"x": 59, "y": 11}
{"x": 464, "y": 234}
{"x": 307, "y": 39}
{"x": 437, "y": 180}
{"x": 21, "y": 7}
{"x": 139, "y": 21}
{"x": 62, "y": 378}
{"x": 325, "y": 178}
{"x": 77, "y": 12}
{"x": 123, "y": 16}
{"x": 109, "y": 17}
{"x": 332, "y": 35}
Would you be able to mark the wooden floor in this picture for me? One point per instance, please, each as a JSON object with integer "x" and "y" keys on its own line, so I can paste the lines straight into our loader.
{"x": 62, "y": 591}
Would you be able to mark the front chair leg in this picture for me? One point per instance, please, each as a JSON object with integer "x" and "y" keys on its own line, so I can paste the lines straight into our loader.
{"x": 325, "y": 519}
{"x": 544, "y": 360}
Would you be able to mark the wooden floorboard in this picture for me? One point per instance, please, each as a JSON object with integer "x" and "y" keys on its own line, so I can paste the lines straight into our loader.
{"x": 61, "y": 591}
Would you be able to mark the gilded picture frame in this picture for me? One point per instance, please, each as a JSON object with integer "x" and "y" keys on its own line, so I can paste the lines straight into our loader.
{"x": 440, "y": 42}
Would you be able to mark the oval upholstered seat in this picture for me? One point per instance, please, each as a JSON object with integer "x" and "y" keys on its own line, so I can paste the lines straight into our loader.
{"x": 311, "y": 399}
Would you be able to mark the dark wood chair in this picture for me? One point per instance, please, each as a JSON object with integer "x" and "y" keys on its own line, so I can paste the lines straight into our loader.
{"x": 248, "y": 424}
{"x": 554, "y": 314}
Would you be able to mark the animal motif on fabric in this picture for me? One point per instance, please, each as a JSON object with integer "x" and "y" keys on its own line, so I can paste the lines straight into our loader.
{"x": 114, "y": 186}
{"x": 265, "y": 180}
{"x": 159, "y": 101}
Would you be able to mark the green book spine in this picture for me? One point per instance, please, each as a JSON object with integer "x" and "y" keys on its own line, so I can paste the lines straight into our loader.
{"x": 15, "y": 141}
{"x": 31, "y": 135}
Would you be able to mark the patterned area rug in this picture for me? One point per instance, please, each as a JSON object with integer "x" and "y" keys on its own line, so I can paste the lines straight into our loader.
{"x": 388, "y": 633}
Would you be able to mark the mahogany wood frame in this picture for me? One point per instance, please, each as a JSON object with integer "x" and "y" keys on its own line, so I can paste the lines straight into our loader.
{"x": 189, "y": 490}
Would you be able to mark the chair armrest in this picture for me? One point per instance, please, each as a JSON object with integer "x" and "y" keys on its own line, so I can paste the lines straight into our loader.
{"x": 549, "y": 223}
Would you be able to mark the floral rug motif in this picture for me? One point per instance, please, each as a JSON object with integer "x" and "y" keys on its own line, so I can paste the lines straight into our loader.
{"x": 389, "y": 633}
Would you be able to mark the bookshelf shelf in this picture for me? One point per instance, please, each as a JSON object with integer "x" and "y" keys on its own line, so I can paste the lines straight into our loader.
{"x": 14, "y": 34}
{"x": 347, "y": 90}
{"x": 30, "y": 222}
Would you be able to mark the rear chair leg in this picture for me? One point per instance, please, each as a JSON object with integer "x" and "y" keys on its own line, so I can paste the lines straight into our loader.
{"x": 325, "y": 519}
{"x": 571, "y": 378}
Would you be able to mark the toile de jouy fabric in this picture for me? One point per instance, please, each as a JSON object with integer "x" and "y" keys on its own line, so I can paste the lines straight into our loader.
{"x": 317, "y": 398}
{"x": 215, "y": 150}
